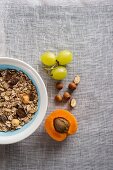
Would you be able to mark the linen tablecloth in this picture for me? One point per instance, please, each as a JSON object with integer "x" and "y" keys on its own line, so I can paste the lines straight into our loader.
{"x": 27, "y": 29}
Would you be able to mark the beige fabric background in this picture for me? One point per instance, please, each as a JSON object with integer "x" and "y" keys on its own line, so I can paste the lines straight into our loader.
{"x": 27, "y": 29}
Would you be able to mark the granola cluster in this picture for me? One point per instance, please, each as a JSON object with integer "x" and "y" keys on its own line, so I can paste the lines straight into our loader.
{"x": 18, "y": 99}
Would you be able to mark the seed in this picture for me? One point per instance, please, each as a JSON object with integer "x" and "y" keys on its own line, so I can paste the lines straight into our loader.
{"x": 25, "y": 99}
{"x": 67, "y": 95}
{"x": 15, "y": 122}
{"x": 76, "y": 79}
{"x": 59, "y": 85}
{"x": 73, "y": 103}
{"x": 58, "y": 98}
{"x": 72, "y": 86}
{"x": 61, "y": 125}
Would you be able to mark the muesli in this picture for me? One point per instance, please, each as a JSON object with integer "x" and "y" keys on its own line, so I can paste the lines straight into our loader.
{"x": 18, "y": 99}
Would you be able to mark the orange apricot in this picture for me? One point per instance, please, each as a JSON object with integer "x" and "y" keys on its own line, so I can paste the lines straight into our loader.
{"x": 60, "y": 123}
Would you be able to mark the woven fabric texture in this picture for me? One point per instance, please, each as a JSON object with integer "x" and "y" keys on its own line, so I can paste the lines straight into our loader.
{"x": 27, "y": 29}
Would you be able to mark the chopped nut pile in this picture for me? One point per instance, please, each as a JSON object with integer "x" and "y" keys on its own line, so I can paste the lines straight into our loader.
{"x": 18, "y": 100}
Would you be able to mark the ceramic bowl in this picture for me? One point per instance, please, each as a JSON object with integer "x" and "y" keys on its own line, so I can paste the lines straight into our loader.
{"x": 26, "y": 130}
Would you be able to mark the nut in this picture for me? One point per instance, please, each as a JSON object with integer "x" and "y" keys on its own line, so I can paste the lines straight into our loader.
{"x": 61, "y": 125}
{"x": 58, "y": 98}
{"x": 76, "y": 79}
{"x": 67, "y": 95}
{"x": 59, "y": 85}
{"x": 72, "y": 86}
{"x": 25, "y": 99}
{"x": 15, "y": 122}
{"x": 73, "y": 103}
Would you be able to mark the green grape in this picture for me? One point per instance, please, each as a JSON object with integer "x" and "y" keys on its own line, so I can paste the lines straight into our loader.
{"x": 48, "y": 58}
{"x": 59, "y": 73}
{"x": 64, "y": 57}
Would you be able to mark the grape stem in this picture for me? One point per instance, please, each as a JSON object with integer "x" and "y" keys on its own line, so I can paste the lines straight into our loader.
{"x": 50, "y": 68}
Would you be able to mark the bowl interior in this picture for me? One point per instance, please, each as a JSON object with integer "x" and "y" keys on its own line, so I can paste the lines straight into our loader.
{"x": 9, "y": 133}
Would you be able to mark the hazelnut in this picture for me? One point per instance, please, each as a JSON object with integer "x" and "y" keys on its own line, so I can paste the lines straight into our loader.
{"x": 73, "y": 103}
{"x": 67, "y": 95}
{"x": 72, "y": 86}
{"x": 77, "y": 79}
{"x": 58, "y": 98}
{"x": 59, "y": 86}
{"x": 25, "y": 99}
{"x": 15, "y": 122}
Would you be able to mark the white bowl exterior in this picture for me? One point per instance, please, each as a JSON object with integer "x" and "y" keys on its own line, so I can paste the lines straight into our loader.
{"x": 43, "y": 101}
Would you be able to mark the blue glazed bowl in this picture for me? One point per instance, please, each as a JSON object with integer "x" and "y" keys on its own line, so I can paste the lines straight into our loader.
{"x": 20, "y": 134}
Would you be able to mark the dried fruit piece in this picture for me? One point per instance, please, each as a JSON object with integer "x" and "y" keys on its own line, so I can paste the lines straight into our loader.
{"x": 59, "y": 86}
{"x": 25, "y": 99}
{"x": 61, "y": 125}
{"x": 13, "y": 82}
{"x": 3, "y": 118}
{"x": 8, "y": 76}
{"x": 76, "y": 79}
{"x": 21, "y": 112}
{"x": 67, "y": 95}
{"x": 72, "y": 86}
{"x": 15, "y": 122}
{"x": 66, "y": 124}
{"x": 31, "y": 96}
{"x": 73, "y": 103}
{"x": 58, "y": 98}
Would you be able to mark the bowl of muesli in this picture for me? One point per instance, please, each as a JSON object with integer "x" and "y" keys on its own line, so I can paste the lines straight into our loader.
{"x": 23, "y": 100}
